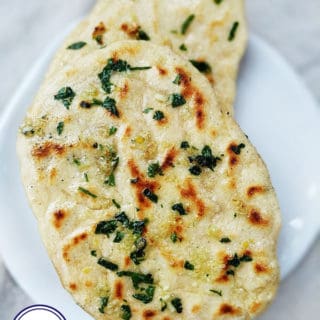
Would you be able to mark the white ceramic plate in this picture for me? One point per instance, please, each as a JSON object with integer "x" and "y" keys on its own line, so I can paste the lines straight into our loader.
{"x": 273, "y": 108}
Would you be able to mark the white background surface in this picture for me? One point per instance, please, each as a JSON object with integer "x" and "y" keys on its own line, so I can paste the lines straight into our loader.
{"x": 292, "y": 26}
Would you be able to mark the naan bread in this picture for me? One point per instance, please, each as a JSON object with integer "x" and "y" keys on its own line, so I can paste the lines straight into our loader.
{"x": 200, "y": 30}
{"x": 150, "y": 200}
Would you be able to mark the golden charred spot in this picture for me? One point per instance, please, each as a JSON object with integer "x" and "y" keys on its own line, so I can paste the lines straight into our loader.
{"x": 47, "y": 149}
{"x": 252, "y": 191}
{"x": 118, "y": 289}
{"x": 199, "y": 106}
{"x": 172, "y": 260}
{"x": 88, "y": 284}
{"x": 185, "y": 82}
{"x": 53, "y": 174}
{"x": 130, "y": 29}
{"x": 189, "y": 192}
{"x": 227, "y": 309}
{"x": 162, "y": 71}
{"x": 255, "y": 307}
{"x": 232, "y": 183}
{"x": 196, "y": 308}
{"x": 210, "y": 78}
{"x": 127, "y": 261}
{"x": 148, "y": 314}
{"x": 223, "y": 278}
{"x": 188, "y": 90}
{"x": 166, "y": 318}
{"x": 213, "y": 133}
{"x": 65, "y": 253}
{"x": 81, "y": 237}
{"x": 260, "y": 268}
{"x": 73, "y": 286}
{"x": 168, "y": 160}
{"x": 128, "y": 132}
{"x": 98, "y": 32}
{"x": 140, "y": 184}
{"x": 124, "y": 90}
{"x": 256, "y": 218}
{"x": 58, "y": 218}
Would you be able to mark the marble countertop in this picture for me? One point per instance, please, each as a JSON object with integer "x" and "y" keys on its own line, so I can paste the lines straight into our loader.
{"x": 292, "y": 26}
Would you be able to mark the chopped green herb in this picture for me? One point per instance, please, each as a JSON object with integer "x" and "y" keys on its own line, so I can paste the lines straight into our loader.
{"x": 233, "y": 31}
{"x": 86, "y": 177}
{"x": 146, "y": 297}
{"x": 119, "y": 236}
{"x": 154, "y": 169}
{"x": 174, "y": 237}
{"x": 76, "y": 161}
{"x": 125, "y": 312}
{"x": 186, "y": 24}
{"x": 123, "y": 219}
{"x": 117, "y": 205}
{"x": 138, "y": 255}
{"x": 158, "y": 115}
{"x": 93, "y": 253}
{"x": 137, "y": 278}
{"x": 163, "y": 304}
{"x": 88, "y": 105}
{"x": 111, "y": 181}
{"x": 60, "y": 127}
{"x": 138, "y": 226}
{"x": 108, "y": 264}
{"x": 237, "y": 149}
{"x": 150, "y": 195}
{"x": 179, "y": 208}
{"x": 139, "y": 68}
{"x": 110, "y": 105}
{"x": 112, "y": 130}
{"x": 65, "y": 95}
{"x": 230, "y": 272}
{"x": 225, "y": 240}
{"x": 103, "y": 303}
{"x": 206, "y": 159}
{"x": 177, "y": 80}
{"x": 106, "y": 227}
{"x": 183, "y": 47}
{"x": 142, "y": 35}
{"x": 188, "y": 265}
{"x": 184, "y": 145}
{"x": 147, "y": 110}
{"x": 195, "y": 170}
{"x": 202, "y": 66}
{"x": 217, "y": 1}
{"x": 115, "y": 66}
{"x": 177, "y": 304}
{"x": 87, "y": 192}
{"x": 218, "y": 292}
{"x": 246, "y": 258}
{"x": 177, "y": 100}
{"x": 77, "y": 45}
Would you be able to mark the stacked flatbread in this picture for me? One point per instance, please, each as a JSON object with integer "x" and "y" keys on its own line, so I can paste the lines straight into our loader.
{"x": 151, "y": 201}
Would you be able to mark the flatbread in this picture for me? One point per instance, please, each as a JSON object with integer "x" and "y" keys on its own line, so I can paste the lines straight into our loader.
{"x": 198, "y": 30}
{"x": 150, "y": 200}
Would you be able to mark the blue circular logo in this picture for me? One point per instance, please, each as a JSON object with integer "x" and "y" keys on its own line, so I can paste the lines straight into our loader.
{"x": 39, "y": 312}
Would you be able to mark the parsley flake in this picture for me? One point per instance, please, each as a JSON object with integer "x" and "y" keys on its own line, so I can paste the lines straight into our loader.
{"x": 186, "y": 24}
{"x": 233, "y": 31}
{"x": 65, "y": 95}
{"x": 177, "y": 100}
{"x": 87, "y": 192}
{"x": 77, "y": 45}
{"x": 60, "y": 127}
{"x": 202, "y": 66}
